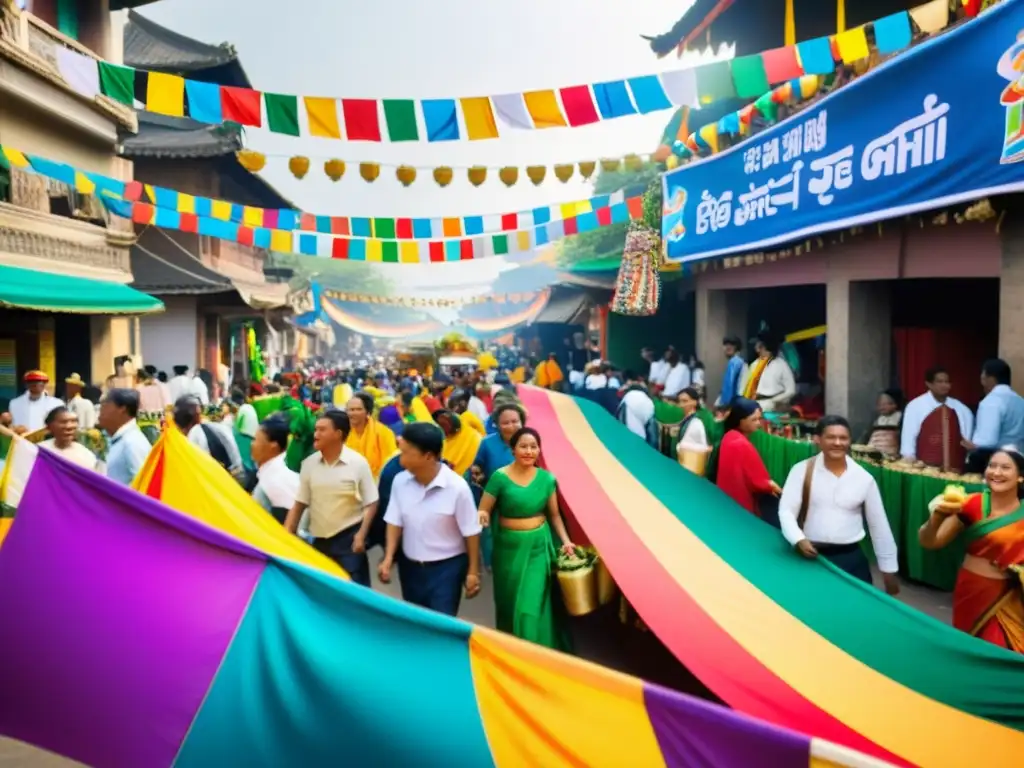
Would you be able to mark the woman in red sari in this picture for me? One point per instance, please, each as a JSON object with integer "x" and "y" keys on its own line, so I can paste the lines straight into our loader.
{"x": 988, "y": 600}
{"x": 739, "y": 469}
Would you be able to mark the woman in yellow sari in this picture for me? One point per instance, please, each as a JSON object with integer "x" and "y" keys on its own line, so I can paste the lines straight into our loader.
{"x": 460, "y": 442}
{"x": 371, "y": 439}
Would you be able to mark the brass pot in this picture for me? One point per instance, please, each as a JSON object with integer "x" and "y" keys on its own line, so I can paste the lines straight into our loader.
{"x": 606, "y": 587}
{"x": 694, "y": 460}
{"x": 579, "y": 590}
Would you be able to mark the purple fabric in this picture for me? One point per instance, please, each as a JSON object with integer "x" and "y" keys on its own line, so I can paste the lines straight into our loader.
{"x": 697, "y": 734}
{"x": 117, "y": 612}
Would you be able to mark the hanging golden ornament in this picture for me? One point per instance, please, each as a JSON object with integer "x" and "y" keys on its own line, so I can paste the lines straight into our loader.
{"x": 334, "y": 169}
{"x": 564, "y": 172}
{"x": 443, "y": 176}
{"x": 610, "y": 165}
{"x": 633, "y": 162}
{"x": 536, "y": 173}
{"x": 369, "y": 171}
{"x": 299, "y": 166}
{"x": 587, "y": 168}
{"x": 406, "y": 174}
{"x": 251, "y": 160}
{"x": 477, "y": 175}
{"x": 509, "y": 175}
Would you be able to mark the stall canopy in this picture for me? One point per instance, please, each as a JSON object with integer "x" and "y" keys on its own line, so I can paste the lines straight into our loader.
{"x": 48, "y": 292}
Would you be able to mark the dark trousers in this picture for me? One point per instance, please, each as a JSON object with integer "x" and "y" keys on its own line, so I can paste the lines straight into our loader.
{"x": 339, "y": 548}
{"x": 436, "y": 585}
{"x": 847, "y": 557}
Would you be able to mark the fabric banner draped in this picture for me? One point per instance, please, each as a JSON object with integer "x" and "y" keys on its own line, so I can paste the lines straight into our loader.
{"x": 760, "y": 626}
{"x": 938, "y": 125}
{"x": 390, "y": 323}
{"x": 195, "y": 642}
{"x": 498, "y": 318}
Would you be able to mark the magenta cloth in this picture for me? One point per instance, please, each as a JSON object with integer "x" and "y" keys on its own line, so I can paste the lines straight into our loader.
{"x": 696, "y": 734}
{"x": 134, "y": 618}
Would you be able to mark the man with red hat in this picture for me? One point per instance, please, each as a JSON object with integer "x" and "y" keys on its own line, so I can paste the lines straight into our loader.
{"x": 28, "y": 411}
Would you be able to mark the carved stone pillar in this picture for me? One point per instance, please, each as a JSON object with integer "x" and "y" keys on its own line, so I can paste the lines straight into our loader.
{"x": 29, "y": 191}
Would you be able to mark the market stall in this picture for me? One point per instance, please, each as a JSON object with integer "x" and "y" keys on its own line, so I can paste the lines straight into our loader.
{"x": 905, "y": 494}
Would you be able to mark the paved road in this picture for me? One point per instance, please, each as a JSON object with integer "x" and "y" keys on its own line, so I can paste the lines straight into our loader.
{"x": 631, "y": 652}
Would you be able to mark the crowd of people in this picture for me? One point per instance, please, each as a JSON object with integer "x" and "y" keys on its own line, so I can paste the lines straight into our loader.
{"x": 442, "y": 473}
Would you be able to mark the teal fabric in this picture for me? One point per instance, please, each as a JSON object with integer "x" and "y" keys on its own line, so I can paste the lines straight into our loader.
{"x": 317, "y": 668}
{"x": 895, "y": 639}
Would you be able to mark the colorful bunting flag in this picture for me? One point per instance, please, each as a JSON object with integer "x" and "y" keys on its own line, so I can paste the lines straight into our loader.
{"x": 400, "y": 118}
{"x": 749, "y": 76}
{"x": 322, "y": 116}
{"x": 282, "y": 113}
{"x": 544, "y": 109}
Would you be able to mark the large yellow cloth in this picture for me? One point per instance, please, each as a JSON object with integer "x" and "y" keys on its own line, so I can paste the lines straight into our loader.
{"x": 460, "y": 449}
{"x": 756, "y": 369}
{"x": 549, "y": 374}
{"x": 420, "y": 411}
{"x": 518, "y": 376}
{"x": 376, "y": 444}
{"x": 341, "y": 395}
{"x": 471, "y": 420}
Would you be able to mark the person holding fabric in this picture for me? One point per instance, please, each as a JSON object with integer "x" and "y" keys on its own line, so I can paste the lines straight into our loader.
{"x": 636, "y": 410}
{"x": 337, "y": 487}
{"x": 523, "y": 501}
{"x": 935, "y": 424}
{"x": 740, "y": 471}
{"x": 771, "y": 381}
{"x": 736, "y": 372}
{"x": 27, "y": 412}
{"x": 1000, "y": 416}
{"x": 988, "y": 599}
{"x": 62, "y": 424}
{"x": 825, "y": 503}
{"x": 277, "y": 486}
{"x": 369, "y": 438}
{"x": 212, "y": 438}
{"x": 692, "y": 434}
{"x": 460, "y": 442}
{"x": 128, "y": 448}
{"x": 549, "y": 374}
{"x": 431, "y": 516}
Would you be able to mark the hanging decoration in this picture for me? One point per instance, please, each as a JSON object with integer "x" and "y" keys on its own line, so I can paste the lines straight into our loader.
{"x": 369, "y": 171}
{"x": 252, "y": 161}
{"x": 509, "y": 175}
{"x": 358, "y": 318}
{"x": 406, "y": 174}
{"x": 443, "y": 176}
{"x": 334, "y": 169}
{"x": 415, "y": 302}
{"x": 299, "y": 166}
{"x": 493, "y": 318}
{"x": 477, "y": 118}
{"x": 190, "y": 207}
{"x": 477, "y": 175}
{"x": 638, "y": 287}
{"x": 257, "y": 368}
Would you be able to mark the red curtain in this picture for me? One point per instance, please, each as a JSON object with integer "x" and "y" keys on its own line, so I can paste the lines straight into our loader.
{"x": 959, "y": 351}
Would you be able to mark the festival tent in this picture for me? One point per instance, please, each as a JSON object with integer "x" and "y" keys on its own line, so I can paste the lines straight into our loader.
{"x": 795, "y": 642}
{"x": 142, "y": 636}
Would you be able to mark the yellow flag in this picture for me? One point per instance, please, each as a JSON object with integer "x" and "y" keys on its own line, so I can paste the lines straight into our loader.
{"x": 853, "y": 45}
{"x": 479, "y": 118}
{"x": 280, "y": 241}
{"x": 375, "y": 250}
{"x": 165, "y": 94}
{"x": 544, "y": 109}
{"x": 409, "y": 252}
{"x": 323, "y": 117}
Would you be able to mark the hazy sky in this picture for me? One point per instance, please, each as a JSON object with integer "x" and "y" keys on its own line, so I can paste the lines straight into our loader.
{"x": 444, "y": 48}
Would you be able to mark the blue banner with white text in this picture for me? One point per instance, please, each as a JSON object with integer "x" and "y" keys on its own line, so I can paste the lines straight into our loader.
{"x": 938, "y": 125}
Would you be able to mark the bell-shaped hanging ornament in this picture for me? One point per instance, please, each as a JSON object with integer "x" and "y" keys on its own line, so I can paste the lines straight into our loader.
{"x": 334, "y": 169}
{"x": 299, "y": 166}
{"x": 369, "y": 171}
{"x": 564, "y": 172}
{"x": 251, "y": 160}
{"x": 587, "y": 168}
{"x": 509, "y": 175}
{"x": 405, "y": 174}
{"x": 536, "y": 173}
{"x": 443, "y": 176}
{"x": 477, "y": 175}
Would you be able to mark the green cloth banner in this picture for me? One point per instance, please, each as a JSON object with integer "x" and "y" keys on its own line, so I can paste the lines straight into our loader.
{"x": 905, "y": 496}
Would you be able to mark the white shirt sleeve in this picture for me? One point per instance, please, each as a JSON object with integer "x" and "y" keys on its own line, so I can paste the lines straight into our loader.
{"x": 966, "y": 418}
{"x": 912, "y": 420}
{"x": 878, "y": 526}
{"x": 678, "y": 380}
{"x": 789, "y": 503}
{"x": 466, "y": 514}
{"x": 197, "y": 437}
{"x": 393, "y": 514}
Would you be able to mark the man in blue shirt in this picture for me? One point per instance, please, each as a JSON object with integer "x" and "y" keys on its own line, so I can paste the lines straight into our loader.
{"x": 1000, "y": 416}
{"x": 129, "y": 448}
{"x": 735, "y": 370}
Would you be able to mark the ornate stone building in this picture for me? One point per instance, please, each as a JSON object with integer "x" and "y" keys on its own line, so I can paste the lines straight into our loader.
{"x": 65, "y": 305}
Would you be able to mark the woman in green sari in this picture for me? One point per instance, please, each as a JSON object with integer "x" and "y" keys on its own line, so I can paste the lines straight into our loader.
{"x": 523, "y": 501}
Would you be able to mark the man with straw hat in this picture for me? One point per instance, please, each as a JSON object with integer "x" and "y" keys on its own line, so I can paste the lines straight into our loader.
{"x": 78, "y": 405}
{"x": 27, "y": 412}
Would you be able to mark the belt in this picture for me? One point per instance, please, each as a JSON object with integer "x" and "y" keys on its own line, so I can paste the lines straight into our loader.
{"x": 836, "y": 549}
{"x": 430, "y": 563}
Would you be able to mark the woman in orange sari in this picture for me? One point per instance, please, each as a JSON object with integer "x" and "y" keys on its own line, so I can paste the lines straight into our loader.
{"x": 369, "y": 438}
{"x": 988, "y": 600}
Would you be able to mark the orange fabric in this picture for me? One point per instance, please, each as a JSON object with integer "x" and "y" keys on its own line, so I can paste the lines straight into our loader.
{"x": 549, "y": 374}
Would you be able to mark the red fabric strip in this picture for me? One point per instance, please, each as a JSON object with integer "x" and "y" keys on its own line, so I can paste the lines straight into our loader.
{"x": 307, "y": 222}
{"x": 510, "y": 222}
{"x": 692, "y": 636}
{"x": 569, "y": 225}
{"x": 339, "y": 225}
{"x": 133, "y": 191}
{"x": 245, "y": 235}
{"x": 241, "y": 105}
{"x": 403, "y": 229}
{"x": 340, "y": 248}
{"x": 189, "y": 222}
{"x": 362, "y": 122}
{"x": 781, "y": 64}
{"x": 436, "y": 250}
{"x": 142, "y": 213}
{"x": 465, "y": 250}
{"x": 604, "y": 216}
{"x": 635, "y": 206}
{"x": 579, "y": 105}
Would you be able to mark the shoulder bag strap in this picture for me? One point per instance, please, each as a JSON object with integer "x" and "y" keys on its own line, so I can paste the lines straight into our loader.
{"x": 805, "y": 499}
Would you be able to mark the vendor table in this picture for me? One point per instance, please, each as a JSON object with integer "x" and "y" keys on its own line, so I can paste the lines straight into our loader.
{"x": 905, "y": 496}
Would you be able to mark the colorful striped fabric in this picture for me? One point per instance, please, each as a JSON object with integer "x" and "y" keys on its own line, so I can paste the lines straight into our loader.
{"x": 795, "y": 642}
{"x": 140, "y": 636}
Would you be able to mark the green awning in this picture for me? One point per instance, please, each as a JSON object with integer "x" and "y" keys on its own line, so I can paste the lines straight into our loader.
{"x": 47, "y": 292}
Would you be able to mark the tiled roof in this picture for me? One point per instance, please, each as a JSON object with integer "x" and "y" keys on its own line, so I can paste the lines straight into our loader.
{"x": 147, "y": 45}
{"x": 163, "y": 266}
{"x": 180, "y": 137}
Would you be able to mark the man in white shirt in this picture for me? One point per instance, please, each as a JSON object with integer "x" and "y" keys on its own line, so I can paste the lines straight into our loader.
{"x": 63, "y": 425}
{"x": 824, "y": 514}
{"x": 211, "y": 438}
{"x": 774, "y": 386}
{"x": 83, "y": 409}
{"x": 636, "y": 408}
{"x": 935, "y": 424}
{"x": 336, "y": 485}
{"x": 128, "y": 448}
{"x": 27, "y": 412}
{"x": 432, "y": 513}
{"x": 277, "y": 486}
{"x": 678, "y": 377}
{"x": 660, "y": 369}
{"x": 180, "y": 384}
